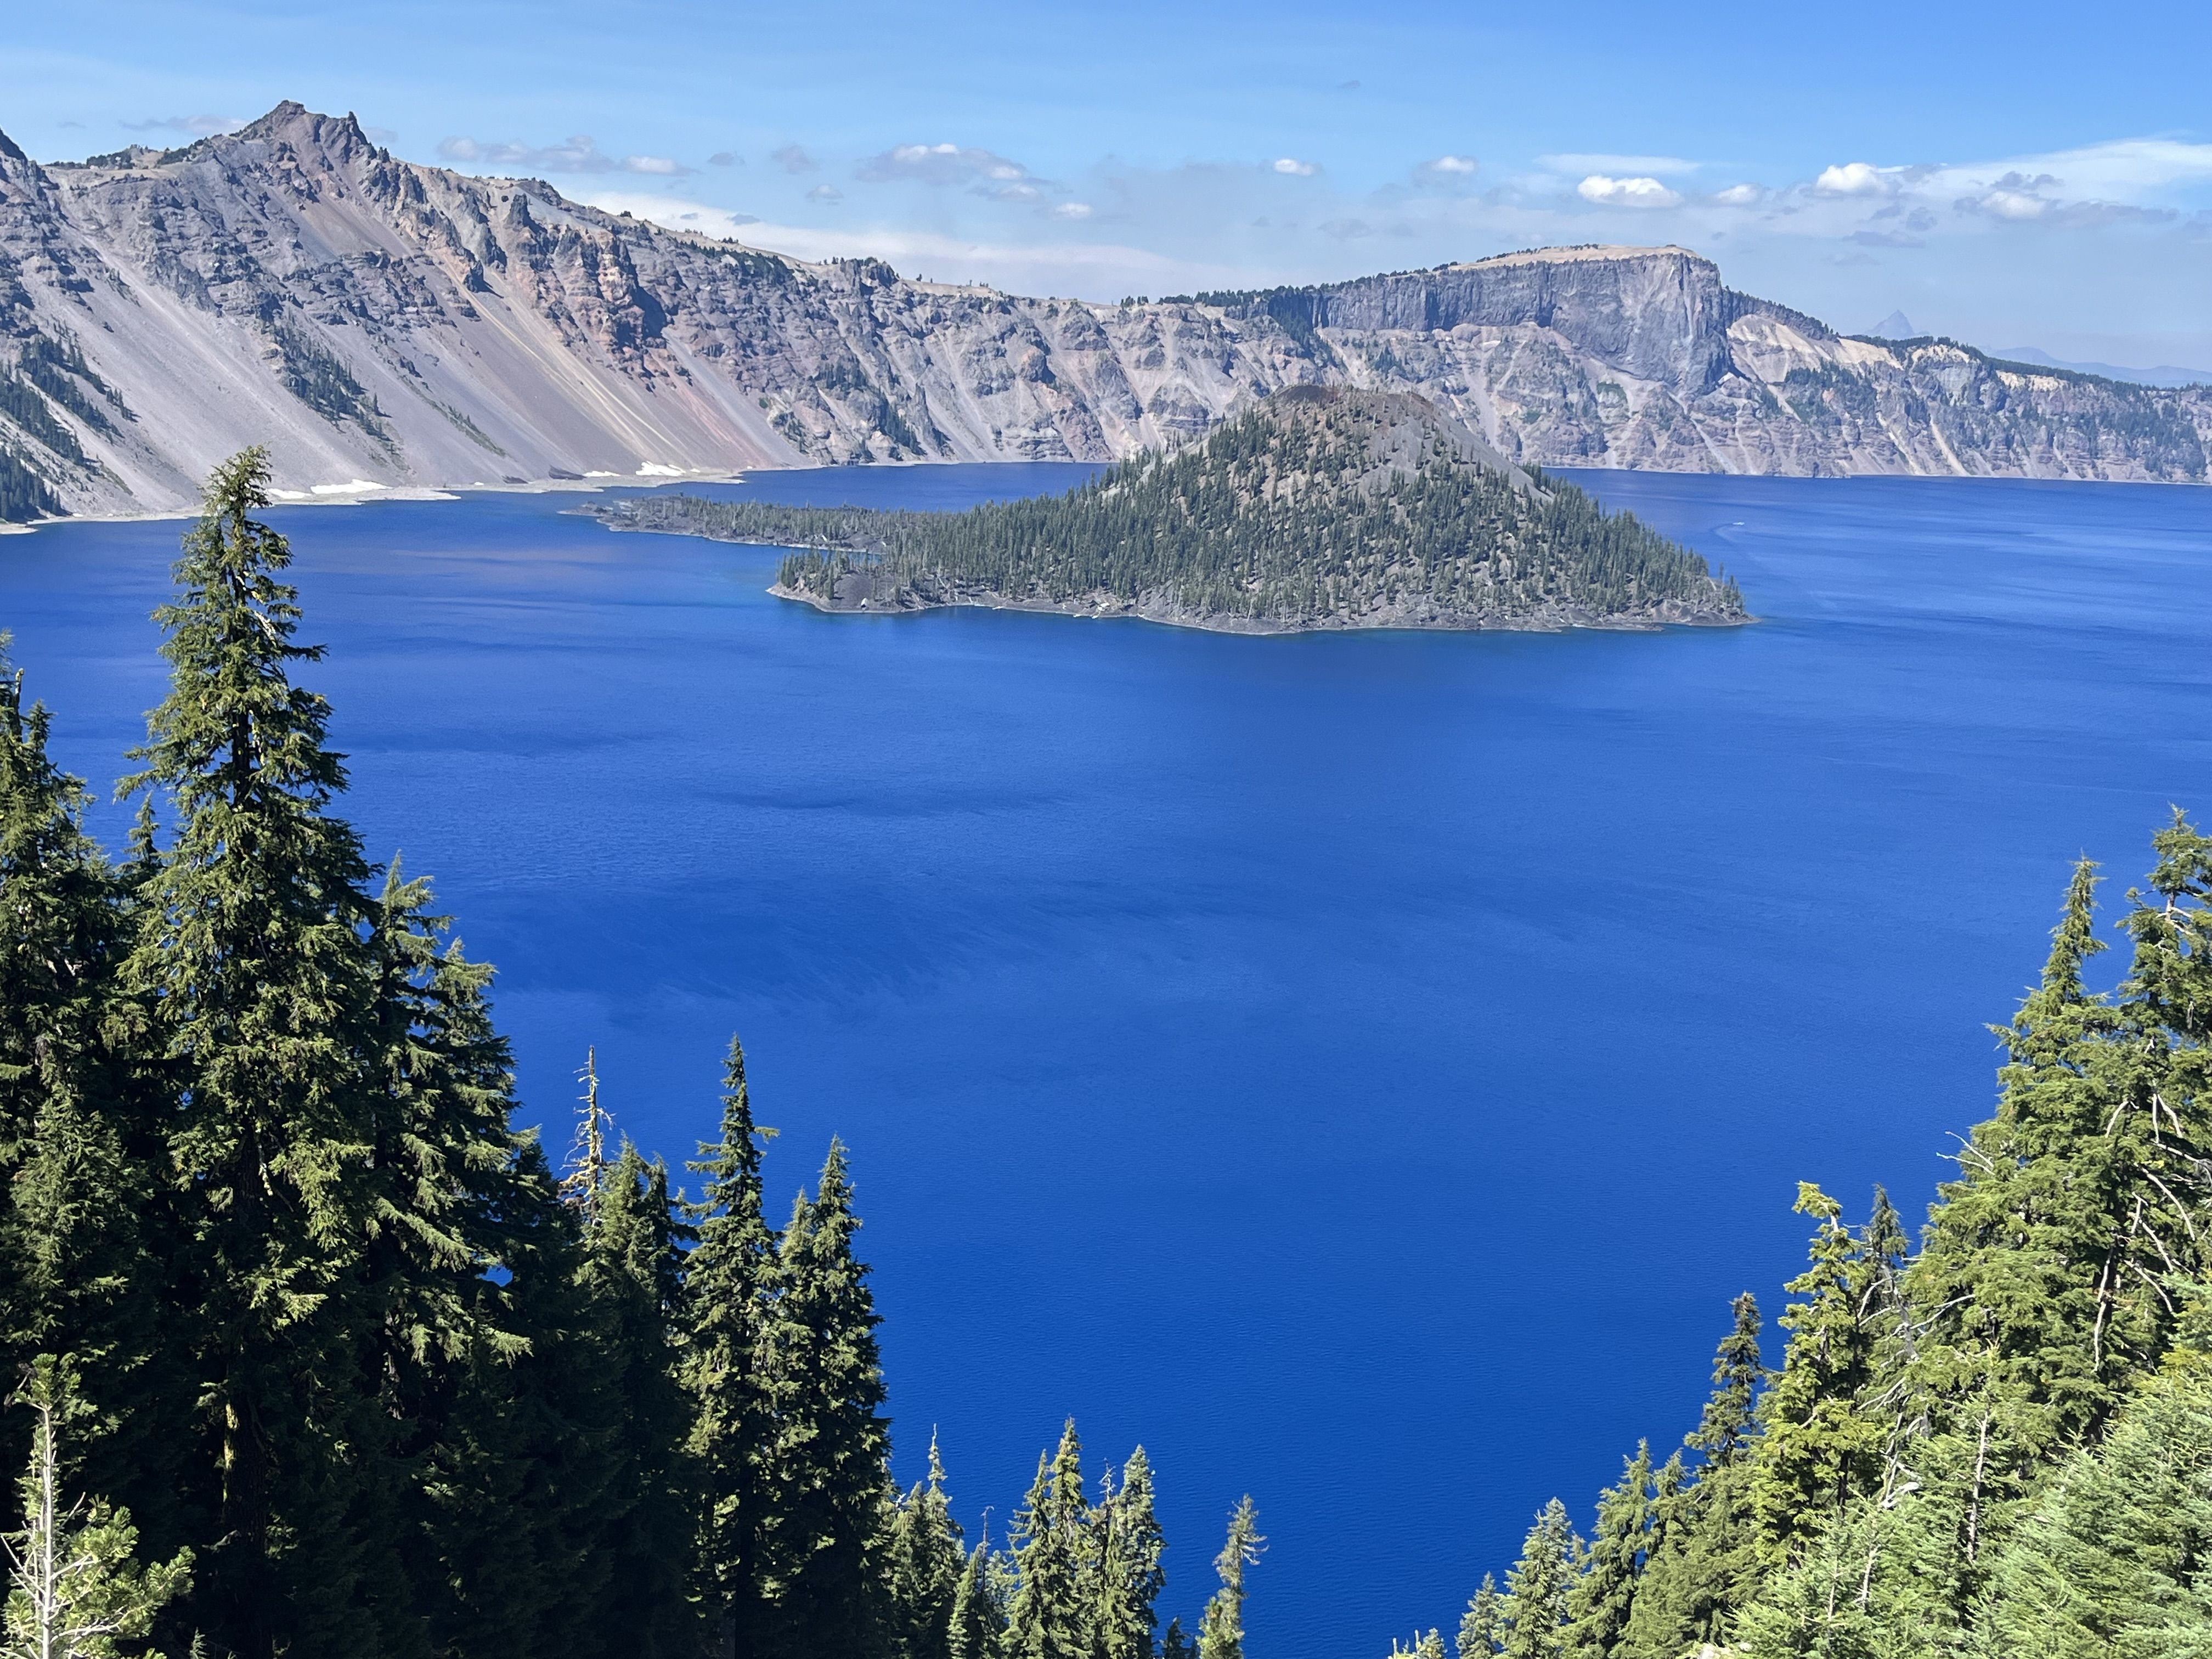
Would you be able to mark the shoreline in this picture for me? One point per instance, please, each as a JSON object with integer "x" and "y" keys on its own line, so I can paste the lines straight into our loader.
{"x": 1125, "y": 611}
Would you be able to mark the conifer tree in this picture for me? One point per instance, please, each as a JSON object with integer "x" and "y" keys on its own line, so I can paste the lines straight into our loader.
{"x": 1534, "y": 1612}
{"x": 1173, "y": 1644}
{"x": 1430, "y": 1646}
{"x": 826, "y": 1501}
{"x": 1221, "y": 1630}
{"x": 924, "y": 1564}
{"x": 75, "y": 1589}
{"x": 84, "y": 1171}
{"x": 633, "y": 1255}
{"x": 1599, "y": 1601}
{"x": 1704, "y": 1564}
{"x": 1818, "y": 1445}
{"x": 2039, "y": 1295}
{"x": 251, "y": 957}
{"x": 729, "y": 1280}
{"x": 977, "y": 1626}
{"x": 2110, "y": 1558}
{"x": 1130, "y": 1548}
{"x": 1482, "y": 1626}
{"x": 1049, "y": 1616}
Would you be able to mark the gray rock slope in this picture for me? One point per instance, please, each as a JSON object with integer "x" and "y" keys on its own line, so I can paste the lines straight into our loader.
{"x": 379, "y": 323}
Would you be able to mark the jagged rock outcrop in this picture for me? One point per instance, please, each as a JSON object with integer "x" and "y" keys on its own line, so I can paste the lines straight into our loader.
{"x": 380, "y": 323}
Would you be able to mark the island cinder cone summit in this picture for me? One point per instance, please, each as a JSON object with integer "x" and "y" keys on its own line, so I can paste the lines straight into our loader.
{"x": 1320, "y": 508}
{"x": 380, "y": 324}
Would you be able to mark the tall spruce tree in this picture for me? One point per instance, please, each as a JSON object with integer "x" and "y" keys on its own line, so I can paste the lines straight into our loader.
{"x": 634, "y": 1254}
{"x": 1534, "y": 1612}
{"x": 924, "y": 1563}
{"x": 84, "y": 1221}
{"x": 827, "y": 1497}
{"x": 1599, "y": 1601}
{"x": 977, "y": 1626}
{"x": 730, "y": 1278}
{"x": 1050, "y": 1616}
{"x": 2039, "y": 1296}
{"x": 1221, "y": 1629}
{"x": 1482, "y": 1626}
{"x": 1129, "y": 1548}
{"x": 1703, "y": 1567}
{"x": 1819, "y": 1443}
{"x": 252, "y": 959}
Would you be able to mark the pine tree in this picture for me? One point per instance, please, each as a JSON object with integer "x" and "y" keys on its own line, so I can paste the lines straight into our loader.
{"x": 1430, "y": 1646}
{"x": 633, "y": 1255}
{"x": 925, "y": 1564}
{"x": 826, "y": 1501}
{"x": 1221, "y": 1631}
{"x": 2111, "y": 1558}
{"x": 1704, "y": 1567}
{"x": 1130, "y": 1547}
{"x": 1482, "y": 1626}
{"x": 729, "y": 1280}
{"x": 84, "y": 1238}
{"x": 1533, "y": 1613}
{"x": 2039, "y": 1295}
{"x": 251, "y": 955}
{"x": 1049, "y": 1617}
{"x": 74, "y": 1589}
{"x": 1819, "y": 1444}
{"x": 1599, "y": 1601}
{"x": 1173, "y": 1644}
{"x": 977, "y": 1626}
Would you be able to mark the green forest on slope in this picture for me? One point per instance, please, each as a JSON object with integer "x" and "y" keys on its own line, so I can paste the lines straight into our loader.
{"x": 1997, "y": 1445}
{"x": 1315, "y": 509}
{"x": 311, "y": 1353}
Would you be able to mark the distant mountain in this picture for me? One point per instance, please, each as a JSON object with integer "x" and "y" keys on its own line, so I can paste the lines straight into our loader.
{"x": 1895, "y": 326}
{"x": 382, "y": 324}
{"x": 1319, "y": 507}
{"x": 2167, "y": 375}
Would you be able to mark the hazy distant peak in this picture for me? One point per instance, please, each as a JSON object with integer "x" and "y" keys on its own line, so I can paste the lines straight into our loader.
{"x": 1895, "y": 326}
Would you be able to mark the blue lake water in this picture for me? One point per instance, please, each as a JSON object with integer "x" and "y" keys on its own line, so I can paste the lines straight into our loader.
{"x": 1360, "y": 1068}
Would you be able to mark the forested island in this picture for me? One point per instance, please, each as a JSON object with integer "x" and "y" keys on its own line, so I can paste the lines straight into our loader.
{"x": 311, "y": 1353}
{"x": 1318, "y": 509}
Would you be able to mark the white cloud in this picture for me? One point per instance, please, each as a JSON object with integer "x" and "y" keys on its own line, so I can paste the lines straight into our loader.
{"x": 581, "y": 154}
{"x": 1097, "y": 271}
{"x": 1741, "y": 196}
{"x": 792, "y": 158}
{"x": 1608, "y": 191}
{"x": 825, "y": 193}
{"x": 199, "y": 126}
{"x": 1856, "y": 179}
{"x": 1459, "y": 165}
{"x": 941, "y": 164}
{"x": 1662, "y": 167}
{"x": 1073, "y": 210}
{"x": 1296, "y": 168}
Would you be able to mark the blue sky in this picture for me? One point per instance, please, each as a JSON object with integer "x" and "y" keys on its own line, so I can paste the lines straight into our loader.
{"x": 2028, "y": 174}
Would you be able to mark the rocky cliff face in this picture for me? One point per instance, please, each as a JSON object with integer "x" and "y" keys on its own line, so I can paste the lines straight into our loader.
{"x": 377, "y": 323}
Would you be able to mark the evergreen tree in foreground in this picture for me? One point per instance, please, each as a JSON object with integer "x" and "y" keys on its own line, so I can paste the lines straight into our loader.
{"x": 729, "y": 1280}
{"x": 1534, "y": 1612}
{"x": 826, "y": 1489}
{"x": 252, "y": 961}
{"x": 1221, "y": 1631}
{"x": 1706, "y": 1566}
{"x": 74, "y": 1589}
{"x": 1482, "y": 1626}
{"x": 1599, "y": 1601}
{"x": 1049, "y": 1617}
{"x": 924, "y": 1565}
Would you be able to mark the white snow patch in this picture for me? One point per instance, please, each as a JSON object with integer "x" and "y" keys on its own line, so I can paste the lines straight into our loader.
{"x": 603, "y": 475}
{"x": 351, "y": 487}
{"x": 656, "y": 469}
